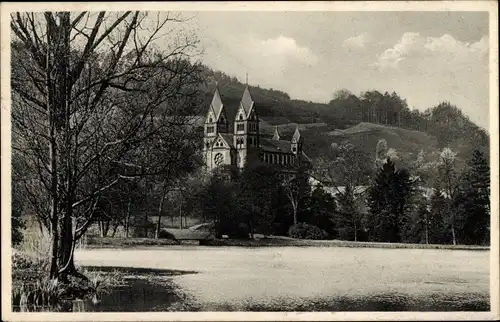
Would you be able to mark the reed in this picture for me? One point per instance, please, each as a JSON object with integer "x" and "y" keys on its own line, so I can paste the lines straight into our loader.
{"x": 44, "y": 292}
{"x": 36, "y": 246}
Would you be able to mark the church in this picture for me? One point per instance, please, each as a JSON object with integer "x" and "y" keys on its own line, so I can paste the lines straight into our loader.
{"x": 232, "y": 137}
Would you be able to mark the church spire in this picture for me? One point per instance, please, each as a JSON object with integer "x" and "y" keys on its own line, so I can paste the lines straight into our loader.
{"x": 216, "y": 104}
{"x": 297, "y": 141}
{"x": 247, "y": 101}
{"x": 276, "y": 135}
{"x": 296, "y": 136}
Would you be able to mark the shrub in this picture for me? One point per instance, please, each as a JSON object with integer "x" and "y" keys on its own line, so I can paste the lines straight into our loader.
{"x": 306, "y": 231}
{"x": 234, "y": 229}
{"x": 20, "y": 261}
{"x": 166, "y": 235}
{"x": 143, "y": 229}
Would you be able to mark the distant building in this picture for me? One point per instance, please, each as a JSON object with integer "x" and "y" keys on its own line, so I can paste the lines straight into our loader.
{"x": 232, "y": 138}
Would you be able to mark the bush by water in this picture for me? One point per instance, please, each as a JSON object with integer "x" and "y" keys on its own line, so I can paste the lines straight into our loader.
{"x": 306, "y": 231}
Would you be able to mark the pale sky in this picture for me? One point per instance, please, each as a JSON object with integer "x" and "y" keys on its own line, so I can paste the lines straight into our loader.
{"x": 426, "y": 57}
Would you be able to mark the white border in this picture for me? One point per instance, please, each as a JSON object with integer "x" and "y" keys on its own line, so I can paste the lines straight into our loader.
{"x": 490, "y": 6}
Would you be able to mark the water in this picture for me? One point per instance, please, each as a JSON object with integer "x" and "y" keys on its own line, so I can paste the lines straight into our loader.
{"x": 301, "y": 279}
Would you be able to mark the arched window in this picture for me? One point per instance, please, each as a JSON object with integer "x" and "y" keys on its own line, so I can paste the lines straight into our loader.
{"x": 210, "y": 120}
{"x": 241, "y": 117}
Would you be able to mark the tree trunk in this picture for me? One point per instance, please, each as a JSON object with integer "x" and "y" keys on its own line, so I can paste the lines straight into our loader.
{"x": 453, "y": 234}
{"x": 426, "y": 230}
{"x": 180, "y": 214}
{"x": 250, "y": 226}
{"x": 145, "y": 225}
{"x": 103, "y": 227}
{"x": 127, "y": 219}
{"x": 115, "y": 227}
{"x": 355, "y": 231}
{"x": 54, "y": 245}
{"x": 160, "y": 209}
{"x": 67, "y": 246}
{"x": 295, "y": 219}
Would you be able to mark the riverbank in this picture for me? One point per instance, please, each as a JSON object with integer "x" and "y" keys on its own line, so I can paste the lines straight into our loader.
{"x": 103, "y": 288}
{"x": 273, "y": 241}
{"x": 33, "y": 290}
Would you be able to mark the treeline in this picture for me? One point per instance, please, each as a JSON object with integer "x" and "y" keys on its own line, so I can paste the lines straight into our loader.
{"x": 455, "y": 211}
{"x": 383, "y": 203}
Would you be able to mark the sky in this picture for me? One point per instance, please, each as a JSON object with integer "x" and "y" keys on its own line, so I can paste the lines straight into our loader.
{"x": 425, "y": 57}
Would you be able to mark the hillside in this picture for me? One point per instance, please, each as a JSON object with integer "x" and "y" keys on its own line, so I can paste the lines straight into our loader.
{"x": 362, "y": 120}
{"x": 368, "y": 134}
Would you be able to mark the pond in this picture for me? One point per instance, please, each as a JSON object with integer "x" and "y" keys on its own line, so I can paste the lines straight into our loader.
{"x": 293, "y": 279}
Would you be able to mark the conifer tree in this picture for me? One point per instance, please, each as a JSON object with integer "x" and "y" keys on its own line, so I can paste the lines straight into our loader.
{"x": 388, "y": 200}
{"x": 473, "y": 201}
{"x": 423, "y": 219}
{"x": 348, "y": 213}
{"x": 437, "y": 214}
{"x": 321, "y": 210}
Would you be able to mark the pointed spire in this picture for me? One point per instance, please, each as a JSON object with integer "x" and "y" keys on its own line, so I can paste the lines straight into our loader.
{"x": 276, "y": 135}
{"x": 247, "y": 100}
{"x": 216, "y": 104}
{"x": 296, "y": 135}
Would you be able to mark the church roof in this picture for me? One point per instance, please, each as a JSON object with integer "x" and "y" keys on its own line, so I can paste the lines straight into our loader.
{"x": 247, "y": 101}
{"x": 305, "y": 157}
{"x": 231, "y": 109}
{"x": 271, "y": 145}
{"x": 228, "y": 138}
{"x": 296, "y": 135}
{"x": 216, "y": 104}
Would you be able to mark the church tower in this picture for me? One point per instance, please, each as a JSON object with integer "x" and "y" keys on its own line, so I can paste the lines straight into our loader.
{"x": 297, "y": 141}
{"x": 246, "y": 129}
{"x": 276, "y": 135}
{"x": 215, "y": 122}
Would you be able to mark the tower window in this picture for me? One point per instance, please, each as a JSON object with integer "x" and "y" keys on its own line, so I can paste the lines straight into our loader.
{"x": 294, "y": 149}
{"x": 210, "y": 129}
{"x": 240, "y": 127}
{"x": 239, "y": 142}
{"x": 210, "y": 120}
{"x": 241, "y": 117}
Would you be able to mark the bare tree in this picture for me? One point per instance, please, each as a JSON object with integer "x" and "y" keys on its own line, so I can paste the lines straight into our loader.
{"x": 86, "y": 88}
{"x": 450, "y": 180}
{"x": 296, "y": 187}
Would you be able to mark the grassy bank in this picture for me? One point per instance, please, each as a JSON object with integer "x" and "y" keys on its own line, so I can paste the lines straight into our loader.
{"x": 119, "y": 242}
{"x": 278, "y": 241}
{"x": 333, "y": 243}
{"x": 32, "y": 287}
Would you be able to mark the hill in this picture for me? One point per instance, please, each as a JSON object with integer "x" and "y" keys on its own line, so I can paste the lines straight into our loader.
{"x": 362, "y": 119}
{"x": 368, "y": 134}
